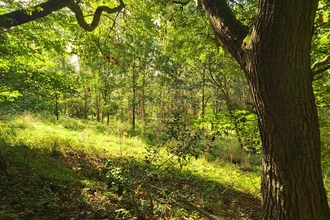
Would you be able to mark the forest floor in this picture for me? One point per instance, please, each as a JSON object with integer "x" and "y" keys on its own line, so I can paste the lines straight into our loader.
{"x": 57, "y": 172}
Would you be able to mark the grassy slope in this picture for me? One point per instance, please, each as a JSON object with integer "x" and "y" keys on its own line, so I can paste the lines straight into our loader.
{"x": 76, "y": 170}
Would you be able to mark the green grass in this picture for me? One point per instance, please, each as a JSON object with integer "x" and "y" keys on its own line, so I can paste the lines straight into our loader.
{"x": 79, "y": 169}
{"x": 75, "y": 169}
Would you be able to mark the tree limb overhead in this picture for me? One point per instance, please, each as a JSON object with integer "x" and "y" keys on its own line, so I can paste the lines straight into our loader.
{"x": 22, "y": 16}
{"x": 321, "y": 66}
{"x": 229, "y": 30}
{"x": 325, "y": 60}
{"x": 97, "y": 15}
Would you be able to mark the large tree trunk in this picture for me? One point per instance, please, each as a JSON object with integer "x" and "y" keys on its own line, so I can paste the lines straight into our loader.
{"x": 277, "y": 64}
{"x": 279, "y": 74}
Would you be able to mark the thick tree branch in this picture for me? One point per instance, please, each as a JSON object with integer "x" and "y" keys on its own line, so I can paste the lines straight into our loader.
{"x": 229, "y": 30}
{"x": 97, "y": 15}
{"x": 22, "y": 16}
{"x": 321, "y": 70}
{"x": 181, "y": 3}
{"x": 318, "y": 63}
{"x": 320, "y": 66}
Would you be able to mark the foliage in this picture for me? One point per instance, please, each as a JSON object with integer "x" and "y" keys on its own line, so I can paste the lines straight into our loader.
{"x": 137, "y": 66}
{"x": 154, "y": 71}
{"x": 182, "y": 139}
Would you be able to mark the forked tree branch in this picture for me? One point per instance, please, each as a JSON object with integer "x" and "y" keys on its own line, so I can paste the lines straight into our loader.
{"x": 22, "y": 16}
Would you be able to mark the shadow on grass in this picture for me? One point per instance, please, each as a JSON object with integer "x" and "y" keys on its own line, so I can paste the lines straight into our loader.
{"x": 48, "y": 184}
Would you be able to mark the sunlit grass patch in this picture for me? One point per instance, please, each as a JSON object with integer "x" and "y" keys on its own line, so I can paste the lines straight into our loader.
{"x": 155, "y": 182}
{"x": 228, "y": 174}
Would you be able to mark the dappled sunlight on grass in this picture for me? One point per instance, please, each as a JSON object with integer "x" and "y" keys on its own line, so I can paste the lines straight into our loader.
{"x": 228, "y": 174}
{"x": 102, "y": 175}
{"x": 36, "y": 133}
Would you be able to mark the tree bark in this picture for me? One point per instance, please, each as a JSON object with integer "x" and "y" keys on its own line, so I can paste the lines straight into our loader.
{"x": 23, "y": 16}
{"x": 276, "y": 61}
{"x": 281, "y": 82}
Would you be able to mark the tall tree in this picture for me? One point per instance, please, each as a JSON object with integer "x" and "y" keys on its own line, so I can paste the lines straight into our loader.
{"x": 276, "y": 61}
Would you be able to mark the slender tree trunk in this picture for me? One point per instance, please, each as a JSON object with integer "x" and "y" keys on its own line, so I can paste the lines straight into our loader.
{"x": 203, "y": 92}
{"x": 56, "y": 106}
{"x": 134, "y": 82}
{"x": 65, "y": 96}
{"x": 143, "y": 103}
{"x": 122, "y": 116}
{"x": 108, "y": 118}
{"x": 86, "y": 104}
{"x": 98, "y": 105}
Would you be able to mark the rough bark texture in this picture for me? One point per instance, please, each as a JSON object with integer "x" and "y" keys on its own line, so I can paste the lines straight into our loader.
{"x": 278, "y": 70}
{"x": 277, "y": 65}
{"x": 226, "y": 26}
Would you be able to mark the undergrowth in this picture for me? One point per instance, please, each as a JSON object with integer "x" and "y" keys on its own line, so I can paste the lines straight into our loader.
{"x": 73, "y": 169}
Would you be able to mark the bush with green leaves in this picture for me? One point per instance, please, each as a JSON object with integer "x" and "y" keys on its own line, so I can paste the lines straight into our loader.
{"x": 242, "y": 124}
{"x": 183, "y": 138}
